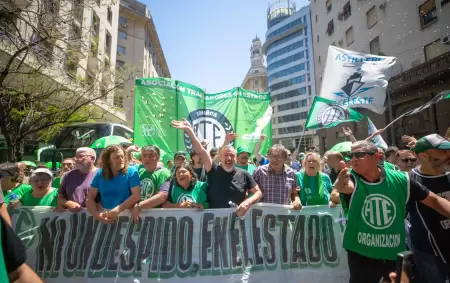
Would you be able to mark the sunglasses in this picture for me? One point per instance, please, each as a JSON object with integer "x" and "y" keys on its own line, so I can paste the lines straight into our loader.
{"x": 408, "y": 159}
{"x": 360, "y": 154}
{"x": 3, "y": 175}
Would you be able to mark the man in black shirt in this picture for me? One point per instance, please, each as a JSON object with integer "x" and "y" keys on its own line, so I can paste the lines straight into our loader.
{"x": 226, "y": 183}
{"x": 430, "y": 231}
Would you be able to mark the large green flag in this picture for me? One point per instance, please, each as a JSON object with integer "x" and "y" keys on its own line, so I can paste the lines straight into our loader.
{"x": 326, "y": 113}
{"x": 158, "y": 101}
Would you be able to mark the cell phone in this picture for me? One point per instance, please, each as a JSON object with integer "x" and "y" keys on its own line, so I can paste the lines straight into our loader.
{"x": 406, "y": 267}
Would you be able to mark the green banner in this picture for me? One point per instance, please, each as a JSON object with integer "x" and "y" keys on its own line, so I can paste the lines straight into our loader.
{"x": 325, "y": 113}
{"x": 158, "y": 101}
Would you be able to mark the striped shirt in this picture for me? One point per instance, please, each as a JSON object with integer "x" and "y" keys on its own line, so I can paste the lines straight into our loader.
{"x": 276, "y": 187}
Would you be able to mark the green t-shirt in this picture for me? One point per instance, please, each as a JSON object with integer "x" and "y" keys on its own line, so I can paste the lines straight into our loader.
{"x": 376, "y": 213}
{"x": 3, "y": 272}
{"x": 196, "y": 194}
{"x": 49, "y": 199}
{"x": 20, "y": 190}
{"x": 56, "y": 182}
{"x": 250, "y": 168}
{"x": 309, "y": 195}
{"x": 151, "y": 181}
{"x": 388, "y": 165}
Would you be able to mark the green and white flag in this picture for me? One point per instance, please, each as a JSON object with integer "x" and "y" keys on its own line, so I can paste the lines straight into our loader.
{"x": 326, "y": 113}
{"x": 158, "y": 101}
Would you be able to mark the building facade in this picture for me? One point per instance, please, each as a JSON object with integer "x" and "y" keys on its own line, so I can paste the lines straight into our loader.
{"x": 139, "y": 49}
{"x": 256, "y": 78}
{"x": 416, "y": 32}
{"x": 288, "y": 50}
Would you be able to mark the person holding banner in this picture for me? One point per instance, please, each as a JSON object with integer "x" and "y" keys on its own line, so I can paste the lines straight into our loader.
{"x": 375, "y": 200}
{"x": 117, "y": 183}
{"x": 42, "y": 192}
{"x": 226, "y": 183}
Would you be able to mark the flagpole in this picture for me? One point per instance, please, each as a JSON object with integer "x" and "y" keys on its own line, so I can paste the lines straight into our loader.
{"x": 398, "y": 118}
{"x": 301, "y": 138}
{"x": 391, "y": 117}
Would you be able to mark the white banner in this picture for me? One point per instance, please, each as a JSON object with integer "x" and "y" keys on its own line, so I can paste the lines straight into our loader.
{"x": 355, "y": 79}
{"x": 270, "y": 244}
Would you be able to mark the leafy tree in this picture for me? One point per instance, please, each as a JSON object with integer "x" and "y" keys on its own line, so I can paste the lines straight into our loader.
{"x": 42, "y": 84}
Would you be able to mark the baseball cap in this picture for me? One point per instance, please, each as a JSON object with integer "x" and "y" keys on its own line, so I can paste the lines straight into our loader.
{"x": 179, "y": 153}
{"x": 243, "y": 149}
{"x": 43, "y": 171}
{"x": 433, "y": 141}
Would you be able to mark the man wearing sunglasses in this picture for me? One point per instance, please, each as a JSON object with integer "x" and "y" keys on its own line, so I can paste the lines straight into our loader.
{"x": 374, "y": 201}
{"x": 430, "y": 231}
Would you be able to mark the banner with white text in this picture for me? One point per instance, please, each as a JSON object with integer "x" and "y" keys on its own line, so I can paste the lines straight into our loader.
{"x": 270, "y": 244}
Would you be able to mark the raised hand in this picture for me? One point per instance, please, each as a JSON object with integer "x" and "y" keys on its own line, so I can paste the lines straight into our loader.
{"x": 343, "y": 184}
{"x": 229, "y": 137}
{"x": 182, "y": 125}
{"x": 262, "y": 137}
{"x": 347, "y": 131}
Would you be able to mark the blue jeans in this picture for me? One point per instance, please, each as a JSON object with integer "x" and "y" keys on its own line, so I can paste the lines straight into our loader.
{"x": 430, "y": 268}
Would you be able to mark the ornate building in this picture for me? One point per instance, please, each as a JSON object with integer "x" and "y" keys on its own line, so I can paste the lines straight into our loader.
{"x": 256, "y": 78}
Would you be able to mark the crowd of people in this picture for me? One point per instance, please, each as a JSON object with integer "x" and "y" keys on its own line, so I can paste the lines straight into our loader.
{"x": 392, "y": 199}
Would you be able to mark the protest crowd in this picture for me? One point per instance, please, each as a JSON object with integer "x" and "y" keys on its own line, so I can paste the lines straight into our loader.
{"x": 415, "y": 180}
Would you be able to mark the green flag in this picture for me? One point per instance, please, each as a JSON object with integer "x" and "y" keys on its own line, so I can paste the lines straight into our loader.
{"x": 158, "y": 101}
{"x": 326, "y": 113}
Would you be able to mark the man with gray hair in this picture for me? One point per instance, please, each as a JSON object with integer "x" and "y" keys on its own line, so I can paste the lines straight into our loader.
{"x": 76, "y": 183}
{"x": 374, "y": 201}
{"x": 277, "y": 180}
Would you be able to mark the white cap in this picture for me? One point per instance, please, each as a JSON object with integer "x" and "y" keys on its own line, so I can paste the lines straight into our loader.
{"x": 42, "y": 170}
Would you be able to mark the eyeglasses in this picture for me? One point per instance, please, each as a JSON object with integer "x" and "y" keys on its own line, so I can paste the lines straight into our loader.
{"x": 412, "y": 159}
{"x": 276, "y": 157}
{"x": 360, "y": 154}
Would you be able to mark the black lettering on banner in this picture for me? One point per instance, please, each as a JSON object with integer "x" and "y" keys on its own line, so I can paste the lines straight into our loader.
{"x": 220, "y": 251}
{"x": 314, "y": 255}
{"x": 298, "y": 243}
{"x": 113, "y": 266}
{"x": 168, "y": 253}
{"x": 185, "y": 236}
{"x": 234, "y": 243}
{"x": 246, "y": 259}
{"x": 87, "y": 232}
{"x": 330, "y": 252}
{"x": 100, "y": 255}
{"x": 206, "y": 244}
{"x": 269, "y": 223}
{"x": 73, "y": 248}
{"x": 128, "y": 258}
{"x": 284, "y": 219}
{"x": 156, "y": 255}
{"x": 256, "y": 236}
{"x": 51, "y": 233}
{"x": 146, "y": 241}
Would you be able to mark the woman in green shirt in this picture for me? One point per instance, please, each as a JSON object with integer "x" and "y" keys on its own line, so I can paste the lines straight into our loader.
{"x": 315, "y": 186}
{"x": 42, "y": 193}
{"x": 11, "y": 177}
{"x": 185, "y": 191}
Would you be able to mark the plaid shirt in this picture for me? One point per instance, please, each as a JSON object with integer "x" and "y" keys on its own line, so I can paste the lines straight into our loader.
{"x": 276, "y": 188}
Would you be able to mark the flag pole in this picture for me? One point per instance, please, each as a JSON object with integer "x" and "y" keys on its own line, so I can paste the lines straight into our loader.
{"x": 390, "y": 124}
{"x": 301, "y": 138}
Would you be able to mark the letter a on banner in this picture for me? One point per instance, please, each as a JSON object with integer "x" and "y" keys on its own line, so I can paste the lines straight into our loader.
{"x": 355, "y": 79}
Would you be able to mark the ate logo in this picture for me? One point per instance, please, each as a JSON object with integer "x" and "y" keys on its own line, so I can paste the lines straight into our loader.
{"x": 208, "y": 124}
{"x": 332, "y": 113}
{"x": 184, "y": 197}
{"x": 378, "y": 211}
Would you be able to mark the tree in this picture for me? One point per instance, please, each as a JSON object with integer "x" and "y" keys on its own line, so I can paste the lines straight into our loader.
{"x": 43, "y": 44}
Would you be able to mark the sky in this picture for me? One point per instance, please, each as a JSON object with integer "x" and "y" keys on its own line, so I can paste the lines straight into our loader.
{"x": 207, "y": 42}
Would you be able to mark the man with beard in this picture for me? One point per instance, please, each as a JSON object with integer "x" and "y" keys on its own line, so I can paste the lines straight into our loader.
{"x": 430, "y": 231}
{"x": 374, "y": 201}
{"x": 226, "y": 183}
{"x": 76, "y": 183}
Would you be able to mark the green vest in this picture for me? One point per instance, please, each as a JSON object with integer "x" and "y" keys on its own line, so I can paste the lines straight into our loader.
{"x": 3, "y": 272}
{"x": 376, "y": 227}
{"x": 196, "y": 194}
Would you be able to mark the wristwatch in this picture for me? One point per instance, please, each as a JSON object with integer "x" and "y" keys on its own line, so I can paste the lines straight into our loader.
{"x": 139, "y": 206}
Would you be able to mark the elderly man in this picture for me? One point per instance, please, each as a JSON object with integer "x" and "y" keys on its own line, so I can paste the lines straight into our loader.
{"x": 374, "y": 200}
{"x": 276, "y": 180}
{"x": 75, "y": 186}
{"x": 227, "y": 185}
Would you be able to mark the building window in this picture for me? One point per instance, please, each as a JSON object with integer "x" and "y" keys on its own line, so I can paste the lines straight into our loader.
{"x": 108, "y": 41}
{"x": 289, "y": 94}
{"x": 283, "y": 84}
{"x": 444, "y": 2}
{"x": 122, "y": 35}
{"x": 349, "y": 36}
{"x": 109, "y": 15}
{"x": 347, "y": 11}
{"x": 316, "y": 18}
{"x": 306, "y": 42}
{"x": 284, "y": 50}
{"x": 328, "y": 5}
{"x": 371, "y": 17}
{"x": 119, "y": 64}
{"x": 307, "y": 66}
{"x": 317, "y": 38}
{"x": 293, "y": 105}
{"x": 309, "y": 90}
{"x": 427, "y": 12}
{"x": 433, "y": 50}
{"x": 121, "y": 49}
{"x": 123, "y": 22}
{"x": 286, "y": 60}
{"x": 256, "y": 82}
{"x": 330, "y": 28}
{"x": 118, "y": 99}
{"x": 375, "y": 46}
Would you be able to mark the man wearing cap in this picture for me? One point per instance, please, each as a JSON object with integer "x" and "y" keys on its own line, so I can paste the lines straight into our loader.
{"x": 430, "y": 231}
{"x": 243, "y": 156}
{"x": 374, "y": 201}
{"x": 179, "y": 158}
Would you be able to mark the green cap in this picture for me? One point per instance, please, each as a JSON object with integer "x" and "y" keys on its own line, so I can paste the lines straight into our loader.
{"x": 243, "y": 149}
{"x": 433, "y": 141}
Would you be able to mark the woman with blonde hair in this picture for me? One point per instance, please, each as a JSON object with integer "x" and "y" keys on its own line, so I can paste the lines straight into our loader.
{"x": 315, "y": 186}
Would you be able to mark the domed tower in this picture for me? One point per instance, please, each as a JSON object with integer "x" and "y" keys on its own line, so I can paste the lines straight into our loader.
{"x": 256, "y": 78}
